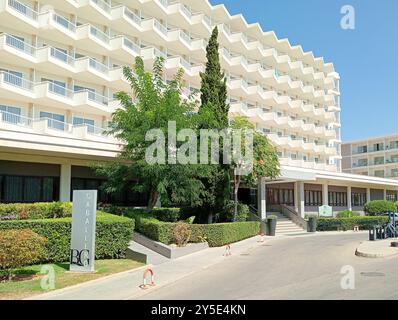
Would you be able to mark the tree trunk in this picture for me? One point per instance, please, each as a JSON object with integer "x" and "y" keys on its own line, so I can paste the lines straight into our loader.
{"x": 236, "y": 189}
{"x": 153, "y": 198}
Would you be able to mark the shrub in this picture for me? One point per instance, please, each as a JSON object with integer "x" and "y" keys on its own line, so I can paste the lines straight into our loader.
{"x": 162, "y": 214}
{"x": 347, "y": 214}
{"x": 364, "y": 223}
{"x": 25, "y": 211}
{"x": 378, "y": 207}
{"x": 113, "y": 235}
{"x": 229, "y": 209}
{"x": 19, "y": 248}
{"x": 181, "y": 234}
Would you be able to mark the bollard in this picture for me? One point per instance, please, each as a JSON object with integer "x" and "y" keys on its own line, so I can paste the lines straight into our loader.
{"x": 261, "y": 237}
{"x": 144, "y": 285}
{"x": 227, "y": 251}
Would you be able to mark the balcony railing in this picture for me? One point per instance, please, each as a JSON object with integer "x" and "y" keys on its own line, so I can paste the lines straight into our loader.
{"x": 20, "y": 45}
{"x": 23, "y": 9}
{"x": 63, "y": 22}
{"x": 19, "y": 120}
{"x": 103, "y": 5}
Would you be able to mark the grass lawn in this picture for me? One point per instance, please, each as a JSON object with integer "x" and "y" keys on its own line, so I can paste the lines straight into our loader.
{"x": 63, "y": 278}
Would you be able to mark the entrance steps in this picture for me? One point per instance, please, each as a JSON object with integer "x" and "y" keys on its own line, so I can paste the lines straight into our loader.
{"x": 285, "y": 226}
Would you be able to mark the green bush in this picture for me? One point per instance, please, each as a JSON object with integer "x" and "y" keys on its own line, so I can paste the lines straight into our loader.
{"x": 113, "y": 235}
{"x": 343, "y": 224}
{"x": 347, "y": 214}
{"x": 229, "y": 209}
{"x": 162, "y": 214}
{"x": 25, "y": 211}
{"x": 378, "y": 207}
{"x": 19, "y": 248}
{"x": 181, "y": 234}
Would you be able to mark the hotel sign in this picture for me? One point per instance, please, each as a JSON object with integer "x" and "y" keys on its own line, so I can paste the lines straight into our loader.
{"x": 325, "y": 211}
{"x": 82, "y": 252}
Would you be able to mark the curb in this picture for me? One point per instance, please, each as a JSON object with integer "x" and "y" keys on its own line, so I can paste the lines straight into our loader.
{"x": 75, "y": 286}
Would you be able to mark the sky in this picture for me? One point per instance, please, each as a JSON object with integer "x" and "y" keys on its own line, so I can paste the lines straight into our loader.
{"x": 366, "y": 58}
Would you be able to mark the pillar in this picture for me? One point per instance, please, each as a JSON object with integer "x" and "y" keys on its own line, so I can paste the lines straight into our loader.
{"x": 262, "y": 199}
{"x": 296, "y": 197}
{"x": 65, "y": 182}
{"x": 367, "y": 194}
{"x": 301, "y": 196}
{"x": 385, "y": 194}
{"x": 349, "y": 201}
{"x": 325, "y": 194}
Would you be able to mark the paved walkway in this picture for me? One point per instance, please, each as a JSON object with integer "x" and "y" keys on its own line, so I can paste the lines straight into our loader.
{"x": 377, "y": 249}
{"x": 126, "y": 285}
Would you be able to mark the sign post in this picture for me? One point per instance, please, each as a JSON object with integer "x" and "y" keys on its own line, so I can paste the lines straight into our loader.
{"x": 82, "y": 252}
{"x": 325, "y": 211}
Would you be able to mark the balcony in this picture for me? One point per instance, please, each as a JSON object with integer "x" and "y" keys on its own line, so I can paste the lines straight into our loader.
{"x": 50, "y": 94}
{"x": 9, "y": 121}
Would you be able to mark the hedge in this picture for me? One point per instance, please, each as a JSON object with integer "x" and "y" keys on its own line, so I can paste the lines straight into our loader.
{"x": 113, "y": 234}
{"x": 216, "y": 235}
{"x": 28, "y": 211}
{"x": 377, "y": 207}
{"x": 161, "y": 214}
{"x": 364, "y": 223}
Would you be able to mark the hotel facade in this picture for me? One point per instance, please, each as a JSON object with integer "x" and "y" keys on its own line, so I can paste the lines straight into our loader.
{"x": 376, "y": 157}
{"x": 61, "y": 65}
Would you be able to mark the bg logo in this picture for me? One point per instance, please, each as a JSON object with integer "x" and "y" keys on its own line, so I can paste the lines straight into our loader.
{"x": 80, "y": 258}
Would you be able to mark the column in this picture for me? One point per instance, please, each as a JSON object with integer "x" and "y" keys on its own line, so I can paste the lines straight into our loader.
{"x": 349, "y": 201}
{"x": 65, "y": 182}
{"x": 325, "y": 194}
{"x": 301, "y": 196}
{"x": 262, "y": 199}
{"x": 367, "y": 194}
{"x": 296, "y": 197}
{"x": 385, "y": 194}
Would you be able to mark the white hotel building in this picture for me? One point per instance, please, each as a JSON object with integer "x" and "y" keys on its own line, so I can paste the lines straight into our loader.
{"x": 61, "y": 64}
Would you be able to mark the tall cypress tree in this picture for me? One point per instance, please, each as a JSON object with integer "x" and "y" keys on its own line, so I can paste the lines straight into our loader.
{"x": 214, "y": 110}
{"x": 214, "y": 86}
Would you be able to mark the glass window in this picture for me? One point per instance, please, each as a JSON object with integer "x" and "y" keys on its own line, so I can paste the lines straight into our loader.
{"x": 84, "y": 121}
{"x": 55, "y": 121}
{"x": 32, "y": 189}
{"x": 13, "y": 189}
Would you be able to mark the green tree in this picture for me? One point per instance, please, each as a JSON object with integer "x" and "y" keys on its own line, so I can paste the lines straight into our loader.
{"x": 264, "y": 160}
{"x": 151, "y": 106}
{"x": 213, "y": 114}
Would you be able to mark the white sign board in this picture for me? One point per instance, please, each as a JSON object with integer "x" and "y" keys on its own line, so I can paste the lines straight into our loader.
{"x": 82, "y": 252}
{"x": 325, "y": 211}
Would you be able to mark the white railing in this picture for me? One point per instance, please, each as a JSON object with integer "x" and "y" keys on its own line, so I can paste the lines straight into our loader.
{"x": 62, "y": 56}
{"x": 19, "y": 120}
{"x": 98, "y": 66}
{"x": 103, "y": 5}
{"x": 161, "y": 27}
{"x": 59, "y": 90}
{"x": 15, "y": 119}
{"x": 20, "y": 45}
{"x": 16, "y": 81}
{"x": 23, "y": 9}
{"x": 132, "y": 16}
{"x": 132, "y": 45}
{"x": 63, "y": 22}
{"x": 99, "y": 34}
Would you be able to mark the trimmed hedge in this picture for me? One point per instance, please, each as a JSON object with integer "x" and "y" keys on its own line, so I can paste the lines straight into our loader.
{"x": 39, "y": 210}
{"x": 113, "y": 234}
{"x": 377, "y": 207}
{"x": 364, "y": 223}
{"x": 216, "y": 235}
{"x": 161, "y": 214}
{"x": 347, "y": 214}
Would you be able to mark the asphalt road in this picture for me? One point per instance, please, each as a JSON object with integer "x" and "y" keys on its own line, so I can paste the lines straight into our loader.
{"x": 291, "y": 268}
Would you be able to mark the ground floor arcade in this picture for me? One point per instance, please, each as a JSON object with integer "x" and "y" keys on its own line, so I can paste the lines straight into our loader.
{"x": 305, "y": 190}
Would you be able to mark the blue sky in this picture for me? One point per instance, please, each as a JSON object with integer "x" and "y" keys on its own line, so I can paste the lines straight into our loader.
{"x": 366, "y": 58}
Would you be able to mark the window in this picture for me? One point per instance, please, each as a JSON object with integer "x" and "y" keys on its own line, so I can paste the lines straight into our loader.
{"x": 379, "y": 160}
{"x": 358, "y": 199}
{"x": 10, "y": 114}
{"x": 391, "y": 196}
{"x": 313, "y": 198}
{"x": 280, "y": 196}
{"x": 28, "y": 189}
{"x": 362, "y": 149}
{"x": 337, "y": 199}
{"x": 378, "y": 147}
{"x": 54, "y": 120}
{"x": 379, "y": 173}
{"x": 55, "y": 86}
{"x": 13, "y": 77}
{"x": 83, "y": 121}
